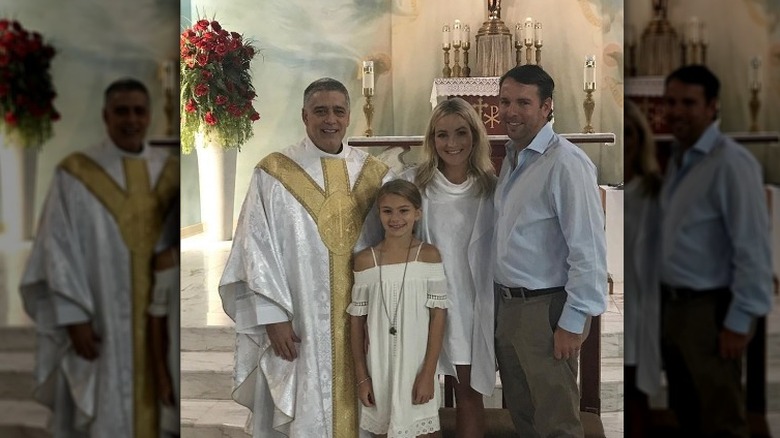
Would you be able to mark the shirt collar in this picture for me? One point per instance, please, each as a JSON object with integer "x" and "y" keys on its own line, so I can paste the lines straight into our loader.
{"x": 540, "y": 143}
{"x": 706, "y": 142}
{"x": 320, "y": 153}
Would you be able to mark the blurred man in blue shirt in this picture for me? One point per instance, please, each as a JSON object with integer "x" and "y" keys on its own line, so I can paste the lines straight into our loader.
{"x": 716, "y": 276}
{"x": 550, "y": 270}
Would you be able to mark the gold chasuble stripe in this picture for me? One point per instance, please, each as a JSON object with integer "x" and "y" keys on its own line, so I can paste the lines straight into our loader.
{"x": 339, "y": 214}
{"x": 138, "y": 212}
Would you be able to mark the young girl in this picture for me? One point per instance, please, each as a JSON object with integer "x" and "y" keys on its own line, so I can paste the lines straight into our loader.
{"x": 457, "y": 180}
{"x": 399, "y": 298}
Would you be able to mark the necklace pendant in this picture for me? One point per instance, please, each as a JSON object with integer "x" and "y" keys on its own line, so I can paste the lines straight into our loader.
{"x": 393, "y": 331}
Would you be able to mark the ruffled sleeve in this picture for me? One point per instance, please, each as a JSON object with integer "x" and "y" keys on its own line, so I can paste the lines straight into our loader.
{"x": 436, "y": 288}
{"x": 359, "y": 304}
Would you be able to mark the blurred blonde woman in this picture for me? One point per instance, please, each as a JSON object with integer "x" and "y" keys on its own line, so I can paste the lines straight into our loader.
{"x": 642, "y": 296}
{"x": 457, "y": 180}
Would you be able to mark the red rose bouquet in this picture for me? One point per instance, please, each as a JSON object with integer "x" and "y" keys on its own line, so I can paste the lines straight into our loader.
{"x": 26, "y": 89}
{"x": 216, "y": 87}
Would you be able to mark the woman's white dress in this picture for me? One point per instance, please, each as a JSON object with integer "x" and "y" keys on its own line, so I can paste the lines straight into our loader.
{"x": 394, "y": 360}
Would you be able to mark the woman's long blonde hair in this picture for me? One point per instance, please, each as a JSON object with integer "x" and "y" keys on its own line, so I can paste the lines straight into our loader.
{"x": 480, "y": 165}
{"x": 645, "y": 166}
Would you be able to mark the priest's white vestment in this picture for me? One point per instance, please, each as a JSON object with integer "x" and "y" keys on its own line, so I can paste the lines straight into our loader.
{"x": 91, "y": 261}
{"x": 302, "y": 218}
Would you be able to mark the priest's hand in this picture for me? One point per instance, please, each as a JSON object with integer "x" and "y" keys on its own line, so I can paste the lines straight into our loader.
{"x": 84, "y": 339}
{"x": 732, "y": 344}
{"x": 283, "y": 340}
{"x": 566, "y": 344}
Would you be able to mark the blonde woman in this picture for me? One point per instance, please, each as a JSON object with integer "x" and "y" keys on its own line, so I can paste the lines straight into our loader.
{"x": 457, "y": 179}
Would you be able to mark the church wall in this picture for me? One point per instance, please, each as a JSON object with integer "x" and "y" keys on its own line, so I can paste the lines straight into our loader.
{"x": 737, "y": 31}
{"x": 301, "y": 41}
{"x": 96, "y": 43}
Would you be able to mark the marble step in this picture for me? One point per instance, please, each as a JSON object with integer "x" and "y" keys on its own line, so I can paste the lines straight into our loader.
{"x": 16, "y": 375}
{"x": 23, "y": 419}
{"x": 213, "y": 419}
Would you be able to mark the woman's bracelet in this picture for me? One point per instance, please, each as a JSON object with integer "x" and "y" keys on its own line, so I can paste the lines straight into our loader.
{"x": 363, "y": 381}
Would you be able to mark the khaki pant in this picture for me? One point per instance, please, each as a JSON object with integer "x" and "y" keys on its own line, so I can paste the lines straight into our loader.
{"x": 705, "y": 390}
{"x": 541, "y": 392}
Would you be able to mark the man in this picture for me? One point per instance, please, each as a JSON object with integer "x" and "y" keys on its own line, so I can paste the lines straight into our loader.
{"x": 88, "y": 280}
{"x": 716, "y": 277}
{"x": 550, "y": 268}
{"x": 288, "y": 278}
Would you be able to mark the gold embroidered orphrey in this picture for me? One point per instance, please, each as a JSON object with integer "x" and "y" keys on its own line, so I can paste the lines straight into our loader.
{"x": 138, "y": 212}
{"x": 339, "y": 214}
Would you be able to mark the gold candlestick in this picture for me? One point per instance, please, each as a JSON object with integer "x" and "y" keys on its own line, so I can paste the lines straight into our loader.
{"x": 456, "y": 55}
{"x": 528, "y": 53}
{"x": 368, "y": 110}
{"x": 755, "y": 104}
{"x": 589, "y": 105}
{"x": 466, "y": 70}
{"x": 518, "y": 53}
{"x": 446, "y": 71}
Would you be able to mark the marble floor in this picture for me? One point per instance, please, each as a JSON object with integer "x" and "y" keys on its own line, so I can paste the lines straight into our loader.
{"x": 207, "y": 339}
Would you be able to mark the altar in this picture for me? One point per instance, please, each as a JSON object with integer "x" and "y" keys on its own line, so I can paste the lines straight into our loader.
{"x": 480, "y": 92}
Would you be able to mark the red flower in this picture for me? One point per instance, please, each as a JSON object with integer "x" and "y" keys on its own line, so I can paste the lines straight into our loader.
{"x": 191, "y": 106}
{"x": 210, "y": 118}
{"x": 10, "y": 118}
{"x": 202, "y": 58}
{"x": 254, "y": 116}
{"x": 202, "y": 25}
{"x": 215, "y": 25}
{"x": 205, "y": 74}
{"x": 201, "y": 89}
{"x": 221, "y": 49}
{"x": 221, "y": 100}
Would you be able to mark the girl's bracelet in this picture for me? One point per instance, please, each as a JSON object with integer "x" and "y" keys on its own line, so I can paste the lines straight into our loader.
{"x": 363, "y": 381}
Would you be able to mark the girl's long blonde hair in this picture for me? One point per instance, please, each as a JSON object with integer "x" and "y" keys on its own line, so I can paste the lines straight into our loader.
{"x": 480, "y": 165}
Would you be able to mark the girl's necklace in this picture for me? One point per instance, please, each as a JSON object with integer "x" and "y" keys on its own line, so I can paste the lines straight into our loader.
{"x": 394, "y": 320}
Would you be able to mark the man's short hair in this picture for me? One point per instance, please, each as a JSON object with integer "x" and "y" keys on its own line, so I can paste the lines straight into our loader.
{"x": 531, "y": 74}
{"x": 697, "y": 75}
{"x": 124, "y": 84}
{"x": 324, "y": 84}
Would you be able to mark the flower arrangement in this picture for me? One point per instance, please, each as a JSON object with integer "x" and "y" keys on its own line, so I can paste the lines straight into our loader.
{"x": 26, "y": 89}
{"x": 216, "y": 87}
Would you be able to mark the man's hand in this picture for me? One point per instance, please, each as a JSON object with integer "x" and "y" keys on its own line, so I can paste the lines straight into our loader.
{"x": 366, "y": 393}
{"x": 283, "y": 340}
{"x": 732, "y": 344}
{"x": 566, "y": 344}
{"x": 85, "y": 341}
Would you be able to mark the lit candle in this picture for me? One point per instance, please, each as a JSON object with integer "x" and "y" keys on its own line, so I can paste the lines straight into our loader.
{"x": 456, "y": 33}
{"x": 693, "y": 30}
{"x": 368, "y": 75}
{"x": 538, "y": 33}
{"x": 754, "y": 74}
{"x": 445, "y": 37}
{"x": 467, "y": 32}
{"x": 590, "y": 72}
{"x": 528, "y": 34}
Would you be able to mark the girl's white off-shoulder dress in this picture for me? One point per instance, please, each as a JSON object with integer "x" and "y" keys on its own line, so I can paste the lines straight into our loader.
{"x": 394, "y": 360}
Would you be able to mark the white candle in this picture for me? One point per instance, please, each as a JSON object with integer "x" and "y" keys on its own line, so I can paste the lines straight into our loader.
{"x": 368, "y": 74}
{"x": 693, "y": 30}
{"x": 445, "y": 37}
{"x": 467, "y": 32}
{"x": 754, "y": 73}
{"x": 456, "y": 32}
{"x": 528, "y": 34}
{"x": 590, "y": 72}
{"x": 519, "y": 33}
{"x": 538, "y": 33}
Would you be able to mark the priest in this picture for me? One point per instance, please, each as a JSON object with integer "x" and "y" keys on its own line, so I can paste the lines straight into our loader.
{"x": 88, "y": 280}
{"x": 288, "y": 278}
